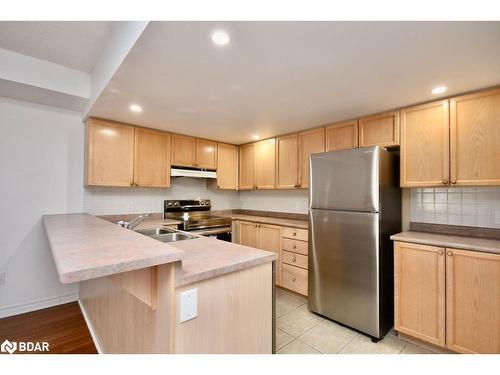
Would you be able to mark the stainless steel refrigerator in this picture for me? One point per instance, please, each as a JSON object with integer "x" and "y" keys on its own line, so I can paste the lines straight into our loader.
{"x": 354, "y": 206}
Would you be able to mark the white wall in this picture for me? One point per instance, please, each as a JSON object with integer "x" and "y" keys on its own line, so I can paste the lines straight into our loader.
{"x": 105, "y": 200}
{"x": 41, "y": 164}
{"x": 295, "y": 201}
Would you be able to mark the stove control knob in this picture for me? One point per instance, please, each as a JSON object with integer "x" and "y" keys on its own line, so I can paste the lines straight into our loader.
{"x": 176, "y": 203}
{"x": 169, "y": 203}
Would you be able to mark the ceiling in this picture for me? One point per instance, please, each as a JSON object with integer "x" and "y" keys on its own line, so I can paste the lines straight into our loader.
{"x": 72, "y": 44}
{"x": 279, "y": 77}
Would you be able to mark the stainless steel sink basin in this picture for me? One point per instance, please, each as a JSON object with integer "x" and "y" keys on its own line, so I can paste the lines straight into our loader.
{"x": 172, "y": 237}
{"x": 165, "y": 235}
{"x": 155, "y": 231}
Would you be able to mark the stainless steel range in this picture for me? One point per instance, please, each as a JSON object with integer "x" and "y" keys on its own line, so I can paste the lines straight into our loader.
{"x": 196, "y": 218}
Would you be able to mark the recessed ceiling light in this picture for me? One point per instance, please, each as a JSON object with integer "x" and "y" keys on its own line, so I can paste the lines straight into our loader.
{"x": 439, "y": 89}
{"x": 135, "y": 108}
{"x": 220, "y": 37}
{"x": 255, "y": 137}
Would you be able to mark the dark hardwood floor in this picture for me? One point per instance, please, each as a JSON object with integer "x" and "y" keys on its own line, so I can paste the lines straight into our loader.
{"x": 63, "y": 327}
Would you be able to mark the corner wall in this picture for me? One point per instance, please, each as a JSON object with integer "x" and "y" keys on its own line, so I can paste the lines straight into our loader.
{"x": 41, "y": 161}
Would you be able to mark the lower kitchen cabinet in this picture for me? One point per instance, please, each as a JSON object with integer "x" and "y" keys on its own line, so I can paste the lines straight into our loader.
{"x": 448, "y": 297}
{"x": 290, "y": 244}
{"x": 295, "y": 278}
{"x": 419, "y": 291}
{"x": 262, "y": 236}
{"x": 472, "y": 301}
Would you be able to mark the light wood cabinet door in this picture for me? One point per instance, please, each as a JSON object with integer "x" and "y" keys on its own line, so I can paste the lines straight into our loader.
{"x": 310, "y": 142}
{"x": 249, "y": 234}
{"x": 472, "y": 301}
{"x": 206, "y": 154}
{"x": 270, "y": 240}
{"x": 151, "y": 158}
{"x": 419, "y": 291}
{"x": 424, "y": 145}
{"x": 227, "y": 166}
{"x": 109, "y": 153}
{"x": 381, "y": 130}
{"x": 475, "y": 139}
{"x": 342, "y": 136}
{"x": 287, "y": 156}
{"x": 183, "y": 151}
{"x": 265, "y": 164}
{"x": 247, "y": 167}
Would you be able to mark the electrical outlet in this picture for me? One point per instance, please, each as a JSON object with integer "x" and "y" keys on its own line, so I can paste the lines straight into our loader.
{"x": 497, "y": 216}
{"x": 189, "y": 305}
{"x": 2, "y": 277}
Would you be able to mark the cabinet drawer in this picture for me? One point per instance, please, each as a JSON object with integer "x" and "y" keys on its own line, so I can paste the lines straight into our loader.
{"x": 295, "y": 279}
{"x": 293, "y": 259}
{"x": 297, "y": 234}
{"x": 295, "y": 246}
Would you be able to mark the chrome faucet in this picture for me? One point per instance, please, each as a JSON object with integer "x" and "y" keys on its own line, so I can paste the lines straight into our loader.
{"x": 135, "y": 222}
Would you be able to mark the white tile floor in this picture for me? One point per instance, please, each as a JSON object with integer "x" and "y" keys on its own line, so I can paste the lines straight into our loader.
{"x": 298, "y": 331}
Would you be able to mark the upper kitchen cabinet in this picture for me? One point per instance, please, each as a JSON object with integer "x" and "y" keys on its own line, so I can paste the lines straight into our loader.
{"x": 193, "y": 152}
{"x": 424, "y": 145}
{"x": 152, "y": 158}
{"x": 310, "y": 142}
{"x": 247, "y": 160}
{"x": 183, "y": 151}
{"x": 265, "y": 164}
{"x": 227, "y": 166}
{"x": 257, "y": 165}
{"x": 109, "y": 153}
{"x": 342, "y": 136}
{"x": 206, "y": 154}
{"x": 287, "y": 162}
{"x": 475, "y": 139}
{"x": 381, "y": 130}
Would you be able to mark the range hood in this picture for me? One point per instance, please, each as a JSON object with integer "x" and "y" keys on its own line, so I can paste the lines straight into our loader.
{"x": 187, "y": 172}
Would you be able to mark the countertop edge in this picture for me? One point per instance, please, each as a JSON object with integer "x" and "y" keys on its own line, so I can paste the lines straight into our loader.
{"x": 190, "y": 279}
{"x": 453, "y": 241}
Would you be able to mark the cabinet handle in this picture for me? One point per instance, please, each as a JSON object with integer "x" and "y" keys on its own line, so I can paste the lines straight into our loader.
{"x": 453, "y": 182}
{"x": 440, "y": 252}
{"x": 300, "y": 185}
{"x": 445, "y": 182}
{"x": 294, "y": 234}
{"x": 131, "y": 183}
{"x": 218, "y": 187}
{"x": 293, "y": 279}
{"x": 294, "y": 259}
{"x": 450, "y": 253}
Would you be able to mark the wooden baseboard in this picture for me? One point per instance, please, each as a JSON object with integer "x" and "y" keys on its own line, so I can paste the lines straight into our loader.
{"x": 37, "y": 305}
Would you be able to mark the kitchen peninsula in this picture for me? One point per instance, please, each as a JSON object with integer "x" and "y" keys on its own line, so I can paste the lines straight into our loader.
{"x": 132, "y": 288}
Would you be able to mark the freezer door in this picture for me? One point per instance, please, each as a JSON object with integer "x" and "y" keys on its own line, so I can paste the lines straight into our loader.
{"x": 345, "y": 180}
{"x": 344, "y": 268}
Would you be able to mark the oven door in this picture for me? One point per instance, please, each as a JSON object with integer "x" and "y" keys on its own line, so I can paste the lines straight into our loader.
{"x": 220, "y": 233}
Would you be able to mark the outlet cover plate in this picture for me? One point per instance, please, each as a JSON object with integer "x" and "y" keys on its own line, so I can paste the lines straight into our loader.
{"x": 189, "y": 305}
{"x": 2, "y": 277}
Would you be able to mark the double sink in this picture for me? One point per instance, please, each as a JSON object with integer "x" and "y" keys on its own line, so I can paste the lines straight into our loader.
{"x": 165, "y": 234}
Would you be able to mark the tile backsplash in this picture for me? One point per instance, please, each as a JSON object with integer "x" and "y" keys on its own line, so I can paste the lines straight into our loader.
{"x": 468, "y": 206}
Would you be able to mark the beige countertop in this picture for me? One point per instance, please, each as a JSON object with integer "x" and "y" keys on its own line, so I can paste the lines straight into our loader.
{"x": 444, "y": 240}
{"x": 86, "y": 247}
{"x": 302, "y": 224}
{"x": 208, "y": 257}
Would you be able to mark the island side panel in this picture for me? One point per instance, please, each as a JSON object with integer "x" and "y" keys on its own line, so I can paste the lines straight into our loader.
{"x": 235, "y": 313}
{"x": 132, "y": 312}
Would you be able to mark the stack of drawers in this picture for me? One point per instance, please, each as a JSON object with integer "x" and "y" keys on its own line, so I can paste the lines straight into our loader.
{"x": 295, "y": 250}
